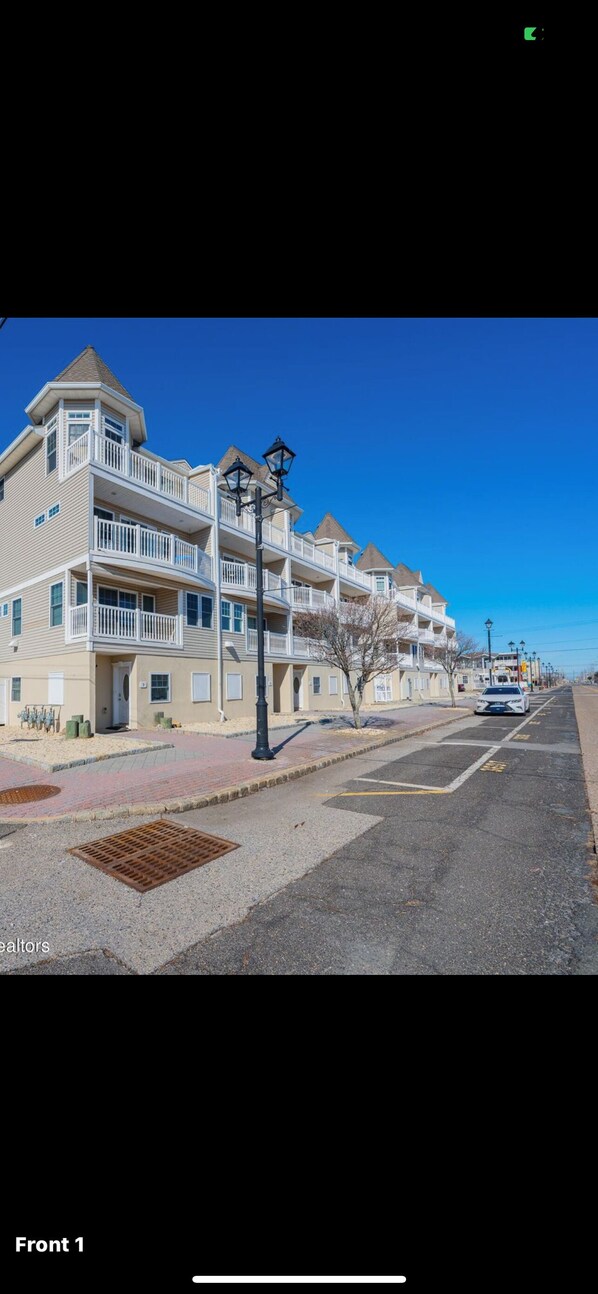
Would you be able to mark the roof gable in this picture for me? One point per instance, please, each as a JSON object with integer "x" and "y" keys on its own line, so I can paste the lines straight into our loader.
{"x": 405, "y": 578}
{"x": 330, "y": 528}
{"x": 373, "y": 560}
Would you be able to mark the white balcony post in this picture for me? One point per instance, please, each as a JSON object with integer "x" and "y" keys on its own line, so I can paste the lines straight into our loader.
{"x": 137, "y": 541}
{"x": 171, "y": 542}
{"x": 185, "y": 489}
{"x": 138, "y": 624}
{"x": 158, "y": 476}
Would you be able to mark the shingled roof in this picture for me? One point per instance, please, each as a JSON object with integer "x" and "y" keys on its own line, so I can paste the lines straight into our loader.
{"x": 259, "y": 470}
{"x": 404, "y": 577}
{"x": 373, "y": 560}
{"x": 330, "y": 528}
{"x": 89, "y": 367}
{"x": 435, "y": 595}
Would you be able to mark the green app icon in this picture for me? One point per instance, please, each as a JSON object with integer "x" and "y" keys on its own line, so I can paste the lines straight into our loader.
{"x": 528, "y": 33}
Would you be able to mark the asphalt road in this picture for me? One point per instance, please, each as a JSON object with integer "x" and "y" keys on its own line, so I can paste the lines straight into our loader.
{"x": 481, "y": 872}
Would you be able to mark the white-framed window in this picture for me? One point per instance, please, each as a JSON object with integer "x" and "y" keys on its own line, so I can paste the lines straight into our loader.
{"x": 2, "y": 479}
{"x": 234, "y": 687}
{"x": 192, "y": 610}
{"x": 238, "y": 613}
{"x": 117, "y": 598}
{"x": 77, "y": 423}
{"x": 383, "y": 688}
{"x": 55, "y": 689}
{"x": 159, "y": 687}
{"x": 103, "y": 514}
{"x": 112, "y": 428}
{"x": 51, "y": 451}
{"x": 148, "y": 603}
{"x": 17, "y": 623}
{"x": 39, "y": 520}
{"x": 317, "y": 685}
{"x": 381, "y": 584}
{"x": 80, "y": 593}
{"x": 5, "y": 608}
{"x": 207, "y": 612}
{"x": 201, "y": 687}
{"x": 225, "y": 615}
{"x": 466, "y": 678}
{"x": 56, "y": 604}
{"x": 332, "y": 685}
{"x": 15, "y": 689}
{"x": 252, "y": 622}
{"x": 53, "y": 511}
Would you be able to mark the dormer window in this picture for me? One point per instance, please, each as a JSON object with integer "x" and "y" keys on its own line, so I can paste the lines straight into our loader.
{"x": 113, "y": 429}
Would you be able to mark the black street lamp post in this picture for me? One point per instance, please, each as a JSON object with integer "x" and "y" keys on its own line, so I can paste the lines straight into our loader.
{"x": 488, "y": 627}
{"x": 280, "y": 460}
{"x": 533, "y": 668}
{"x": 513, "y": 648}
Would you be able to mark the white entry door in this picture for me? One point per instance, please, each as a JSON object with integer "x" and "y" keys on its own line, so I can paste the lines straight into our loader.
{"x": 383, "y": 688}
{"x": 3, "y": 700}
{"x": 121, "y": 682}
{"x": 297, "y": 689}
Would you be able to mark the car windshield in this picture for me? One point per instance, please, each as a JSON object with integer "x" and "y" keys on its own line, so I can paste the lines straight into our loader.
{"x": 501, "y": 691}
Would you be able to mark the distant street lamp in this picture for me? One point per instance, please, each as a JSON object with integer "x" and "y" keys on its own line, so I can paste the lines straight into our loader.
{"x": 488, "y": 627}
{"x": 280, "y": 460}
{"x": 515, "y": 649}
{"x": 534, "y": 670}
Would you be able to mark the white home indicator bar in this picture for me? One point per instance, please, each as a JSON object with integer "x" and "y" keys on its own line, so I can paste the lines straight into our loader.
{"x": 299, "y": 1280}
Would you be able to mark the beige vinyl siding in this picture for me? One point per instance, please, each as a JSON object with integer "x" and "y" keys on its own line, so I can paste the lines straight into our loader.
{"x": 199, "y": 642}
{"x": 37, "y": 638}
{"x": 24, "y": 551}
{"x": 77, "y": 668}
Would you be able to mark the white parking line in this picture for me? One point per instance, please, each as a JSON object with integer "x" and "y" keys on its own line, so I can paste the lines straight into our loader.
{"x": 532, "y": 714}
{"x": 468, "y": 771}
{"x": 417, "y": 786}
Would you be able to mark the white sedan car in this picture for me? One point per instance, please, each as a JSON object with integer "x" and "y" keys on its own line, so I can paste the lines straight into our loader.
{"x": 502, "y": 699}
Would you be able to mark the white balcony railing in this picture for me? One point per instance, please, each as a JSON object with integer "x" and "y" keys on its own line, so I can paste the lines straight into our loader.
{"x": 270, "y": 533}
{"x": 302, "y": 597}
{"x": 301, "y": 646}
{"x": 275, "y": 644}
{"x": 426, "y": 636}
{"x": 242, "y": 575}
{"x": 148, "y": 545}
{"x": 348, "y": 572}
{"x": 310, "y": 553}
{"x": 408, "y": 633}
{"x": 117, "y": 457}
{"x": 127, "y": 624}
{"x": 404, "y": 600}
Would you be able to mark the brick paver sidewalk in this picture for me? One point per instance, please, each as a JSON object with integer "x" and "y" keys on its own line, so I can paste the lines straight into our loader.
{"x": 201, "y": 769}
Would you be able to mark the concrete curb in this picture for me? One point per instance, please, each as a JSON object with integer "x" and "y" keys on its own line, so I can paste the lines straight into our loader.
{"x": 78, "y": 763}
{"x": 230, "y": 792}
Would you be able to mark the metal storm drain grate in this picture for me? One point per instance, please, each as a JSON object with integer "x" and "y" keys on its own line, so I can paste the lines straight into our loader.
{"x": 148, "y": 856}
{"x": 21, "y": 794}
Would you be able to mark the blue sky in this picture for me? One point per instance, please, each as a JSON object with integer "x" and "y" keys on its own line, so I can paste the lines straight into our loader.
{"x": 464, "y": 447}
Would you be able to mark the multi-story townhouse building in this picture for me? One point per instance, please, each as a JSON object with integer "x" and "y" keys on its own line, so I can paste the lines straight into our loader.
{"x": 127, "y": 582}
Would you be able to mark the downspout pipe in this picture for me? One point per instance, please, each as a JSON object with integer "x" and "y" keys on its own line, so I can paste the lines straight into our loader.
{"x": 216, "y": 547}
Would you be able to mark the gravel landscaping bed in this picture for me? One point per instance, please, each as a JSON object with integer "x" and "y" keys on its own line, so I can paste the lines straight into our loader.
{"x": 52, "y": 751}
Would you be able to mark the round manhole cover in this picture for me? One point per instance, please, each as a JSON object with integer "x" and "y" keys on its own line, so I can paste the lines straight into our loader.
{"x": 21, "y": 794}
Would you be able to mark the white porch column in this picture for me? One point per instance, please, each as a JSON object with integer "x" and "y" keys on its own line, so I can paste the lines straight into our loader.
{"x": 89, "y": 606}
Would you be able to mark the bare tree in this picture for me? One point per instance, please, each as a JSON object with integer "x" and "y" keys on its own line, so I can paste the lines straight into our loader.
{"x": 358, "y": 638}
{"x": 452, "y": 655}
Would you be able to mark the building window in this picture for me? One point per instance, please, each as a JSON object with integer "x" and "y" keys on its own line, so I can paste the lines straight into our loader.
{"x": 465, "y": 678}
{"x": 225, "y": 615}
{"x": 80, "y": 593}
{"x": 51, "y": 455}
{"x": 1, "y": 488}
{"x": 16, "y": 616}
{"x": 15, "y": 691}
{"x": 117, "y": 598}
{"x": 113, "y": 429}
{"x": 192, "y": 609}
{"x": 234, "y": 687}
{"x": 148, "y": 603}
{"x": 53, "y": 512}
{"x": 159, "y": 687}
{"x": 201, "y": 687}
{"x": 333, "y": 685}
{"x": 103, "y": 514}
{"x": 55, "y": 689}
{"x": 381, "y": 584}
{"x": 238, "y": 617}
{"x": 39, "y": 520}
{"x": 252, "y": 623}
{"x": 77, "y": 424}
{"x": 317, "y": 685}
{"x": 56, "y": 600}
{"x": 206, "y": 613}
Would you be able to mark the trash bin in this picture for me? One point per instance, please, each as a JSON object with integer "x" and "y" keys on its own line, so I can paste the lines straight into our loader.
{"x": 460, "y": 687}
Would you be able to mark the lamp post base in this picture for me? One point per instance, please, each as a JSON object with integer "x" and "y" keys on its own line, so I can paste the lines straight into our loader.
{"x": 262, "y": 754}
{"x": 262, "y": 745}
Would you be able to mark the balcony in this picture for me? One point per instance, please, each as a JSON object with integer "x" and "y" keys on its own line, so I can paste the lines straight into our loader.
{"x": 274, "y": 644}
{"x": 246, "y": 522}
{"x": 352, "y": 573}
{"x": 127, "y": 625}
{"x": 301, "y": 646}
{"x": 404, "y": 600}
{"x": 309, "y": 552}
{"x": 303, "y": 597}
{"x": 427, "y": 636}
{"x": 154, "y": 546}
{"x": 240, "y": 575}
{"x": 125, "y": 462}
